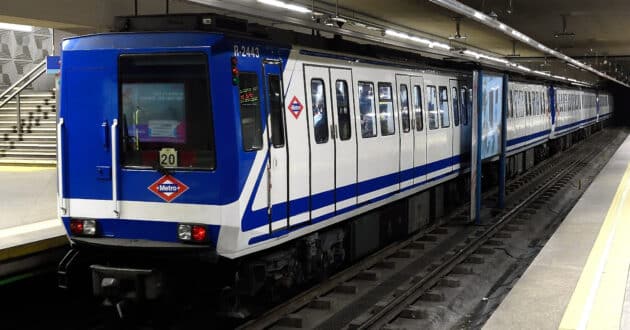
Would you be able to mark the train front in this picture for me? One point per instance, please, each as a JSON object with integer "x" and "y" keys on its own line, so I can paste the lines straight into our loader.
{"x": 146, "y": 159}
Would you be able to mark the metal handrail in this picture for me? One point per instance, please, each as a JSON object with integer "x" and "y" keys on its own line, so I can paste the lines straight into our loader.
{"x": 15, "y": 84}
{"x": 21, "y": 88}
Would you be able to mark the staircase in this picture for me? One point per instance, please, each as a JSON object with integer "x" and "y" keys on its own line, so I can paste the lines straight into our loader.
{"x": 28, "y": 122}
{"x": 35, "y": 143}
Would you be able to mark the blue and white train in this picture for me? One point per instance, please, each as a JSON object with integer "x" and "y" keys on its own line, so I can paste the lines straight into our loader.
{"x": 188, "y": 148}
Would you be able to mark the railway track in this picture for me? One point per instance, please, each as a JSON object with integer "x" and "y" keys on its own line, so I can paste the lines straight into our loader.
{"x": 393, "y": 283}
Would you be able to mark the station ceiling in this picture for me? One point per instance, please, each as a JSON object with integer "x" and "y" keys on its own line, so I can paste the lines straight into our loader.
{"x": 590, "y": 31}
{"x": 595, "y": 32}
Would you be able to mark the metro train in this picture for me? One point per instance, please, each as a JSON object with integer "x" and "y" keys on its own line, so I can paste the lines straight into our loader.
{"x": 182, "y": 154}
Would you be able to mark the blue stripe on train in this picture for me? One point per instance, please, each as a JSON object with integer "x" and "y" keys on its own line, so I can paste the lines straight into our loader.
{"x": 282, "y": 232}
{"x": 372, "y": 185}
{"x": 568, "y": 126}
{"x": 257, "y": 218}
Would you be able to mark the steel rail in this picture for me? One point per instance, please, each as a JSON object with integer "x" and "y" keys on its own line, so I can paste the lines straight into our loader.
{"x": 388, "y": 312}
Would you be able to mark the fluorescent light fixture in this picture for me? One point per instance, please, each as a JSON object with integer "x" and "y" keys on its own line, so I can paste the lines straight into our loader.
{"x": 524, "y": 68}
{"x": 419, "y": 40}
{"x": 502, "y": 26}
{"x": 484, "y": 56}
{"x": 284, "y": 5}
{"x": 441, "y": 45}
{"x": 560, "y": 77}
{"x": 472, "y": 54}
{"x": 520, "y": 36}
{"x": 480, "y": 16}
{"x": 16, "y": 27}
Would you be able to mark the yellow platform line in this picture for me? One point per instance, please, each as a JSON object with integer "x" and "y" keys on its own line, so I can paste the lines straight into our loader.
{"x": 33, "y": 168}
{"x": 32, "y": 248}
{"x": 598, "y": 298}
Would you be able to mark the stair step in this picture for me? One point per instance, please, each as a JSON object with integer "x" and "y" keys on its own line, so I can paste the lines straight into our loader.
{"x": 34, "y": 100}
{"x": 26, "y": 152}
{"x": 22, "y": 144}
{"x": 51, "y": 121}
{"x": 53, "y": 128}
{"x": 38, "y": 136}
{"x": 28, "y": 93}
{"x": 27, "y": 161}
{"x": 30, "y": 114}
{"x": 8, "y": 108}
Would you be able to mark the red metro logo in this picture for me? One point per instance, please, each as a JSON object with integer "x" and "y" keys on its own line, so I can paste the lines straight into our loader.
{"x": 168, "y": 188}
{"x": 295, "y": 107}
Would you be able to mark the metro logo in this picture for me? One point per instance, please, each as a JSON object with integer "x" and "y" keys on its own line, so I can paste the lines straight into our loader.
{"x": 168, "y": 188}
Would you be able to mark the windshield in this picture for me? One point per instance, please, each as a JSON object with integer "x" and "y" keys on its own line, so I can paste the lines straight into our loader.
{"x": 165, "y": 111}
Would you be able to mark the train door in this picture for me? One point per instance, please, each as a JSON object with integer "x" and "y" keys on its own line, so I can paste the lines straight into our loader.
{"x": 419, "y": 130}
{"x": 345, "y": 143}
{"x": 277, "y": 166}
{"x": 439, "y": 145}
{"x": 456, "y": 124}
{"x": 321, "y": 143}
{"x": 406, "y": 166}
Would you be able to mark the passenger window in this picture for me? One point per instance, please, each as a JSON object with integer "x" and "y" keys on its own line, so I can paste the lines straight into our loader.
{"x": 366, "y": 108}
{"x": 462, "y": 106}
{"x": 275, "y": 110}
{"x": 320, "y": 115}
{"x": 444, "y": 119}
{"x": 432, "y": 107}
{"x": 455, "y": 107}
{"x": 404, "y": 108}
{"x": 469, "y": 103}
{"x": 251, "y": 124}
{"x": 528, "y": 100}
{"x": 417, "y": 107}
{"x": 511, "y": 104}
{"x": 386, "y": 108}
{"x": 343, "y": 110}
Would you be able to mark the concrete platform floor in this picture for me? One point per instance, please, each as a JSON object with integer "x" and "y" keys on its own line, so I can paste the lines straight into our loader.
{"x": 540, "y": 298}
{"x": 29, "y": 195}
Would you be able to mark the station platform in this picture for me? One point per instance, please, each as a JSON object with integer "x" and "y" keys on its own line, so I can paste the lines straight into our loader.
{"x": 28, "y": 223}
{"x": 580, "y": 279}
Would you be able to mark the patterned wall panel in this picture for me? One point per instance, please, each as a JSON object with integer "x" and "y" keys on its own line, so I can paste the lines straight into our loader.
{"x": 19, "y": 51}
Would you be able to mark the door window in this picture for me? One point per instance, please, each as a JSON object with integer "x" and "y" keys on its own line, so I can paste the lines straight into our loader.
{"x": 318, "y": 108}
{"x": 275, "y": 110}
{"x": 432, "y": 107}
{"x": 386, "y": 108}
{"x": 404, "y": 108}
{"x": 366, "y": 109}
{"x": 444, "y": 117}
{"x": 455, "y": 107}
{"x": 417, "y": 107}
{"x": 343, "y": 109}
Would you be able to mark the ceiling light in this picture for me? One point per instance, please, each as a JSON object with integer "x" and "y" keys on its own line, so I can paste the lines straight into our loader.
{"x": 524, "y": 68}
{"x": 16, "y": 27}
{"x": 284, "y": 5}
{"x": 427, "y": 42}
{"x": 480, "y": 16}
